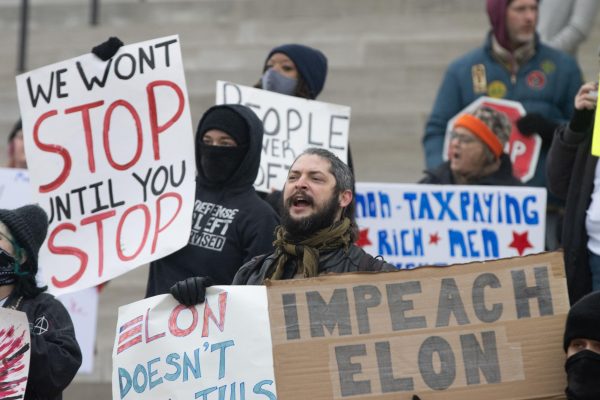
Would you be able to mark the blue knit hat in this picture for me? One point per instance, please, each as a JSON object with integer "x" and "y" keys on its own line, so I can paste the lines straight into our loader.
{"x": 310, "y": 63}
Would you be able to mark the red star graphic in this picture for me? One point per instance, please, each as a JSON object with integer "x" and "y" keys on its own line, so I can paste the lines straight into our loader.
{"x": 520, "y": 242}
{"x": 363, "y": 238}
{"x": 434, "y": 238}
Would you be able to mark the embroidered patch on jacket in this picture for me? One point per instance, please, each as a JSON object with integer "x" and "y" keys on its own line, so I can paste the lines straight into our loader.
{"x": 536, "y": 80}
{"x": 548, "y": 66}
{"x": 479, "y": 78}
{"x": 496, "y": 89}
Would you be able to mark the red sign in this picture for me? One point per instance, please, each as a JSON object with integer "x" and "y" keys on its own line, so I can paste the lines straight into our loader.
{"x": 524, "y": 150}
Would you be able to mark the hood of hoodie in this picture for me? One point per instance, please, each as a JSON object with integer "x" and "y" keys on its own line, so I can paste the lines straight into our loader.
{"x": 246, "y": 173}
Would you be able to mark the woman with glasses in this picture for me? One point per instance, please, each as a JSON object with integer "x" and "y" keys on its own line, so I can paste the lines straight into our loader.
{"x": 476, "y": 152}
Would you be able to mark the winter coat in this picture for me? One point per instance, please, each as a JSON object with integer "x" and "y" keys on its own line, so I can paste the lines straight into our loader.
{"x": 564, "y": 24}
{"x": 442, "y": 175}
{"x": 571, "y": 169}
{"x": 546, "y": 84}
{"x": 55, "y": 354}
{"x": 230, "y": 224}
{"x": 336, "y": 261}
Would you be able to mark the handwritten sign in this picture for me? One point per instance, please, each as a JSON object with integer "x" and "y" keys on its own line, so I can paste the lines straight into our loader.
{"x": 219, "y": 349}
{"x": 111, "y": 158}
{"x": 16, "y": 351}
{"x": 480, "y": 331}
{"x": 524, "y": 151}
{"x": 291, "y": 125}
{"x": 412, "y": 225}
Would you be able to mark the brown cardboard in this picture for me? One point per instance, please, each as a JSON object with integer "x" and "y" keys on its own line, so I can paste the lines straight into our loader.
{"x": 450, "y": 333}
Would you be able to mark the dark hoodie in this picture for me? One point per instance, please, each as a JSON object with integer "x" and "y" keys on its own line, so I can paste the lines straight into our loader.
{"x": 230, "y": 223}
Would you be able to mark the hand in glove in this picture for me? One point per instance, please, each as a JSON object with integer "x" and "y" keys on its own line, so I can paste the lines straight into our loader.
{"x": 191, "y": 291}
{"x": 106, "y": 50}
{"x": 415, "y": 397}
{"x": 537, "y": 123}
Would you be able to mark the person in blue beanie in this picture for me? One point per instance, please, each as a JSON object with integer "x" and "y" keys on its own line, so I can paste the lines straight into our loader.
{"x": 296, "y": 70}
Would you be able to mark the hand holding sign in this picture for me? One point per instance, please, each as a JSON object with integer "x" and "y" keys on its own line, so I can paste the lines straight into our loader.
{"x": 110, "y": 145}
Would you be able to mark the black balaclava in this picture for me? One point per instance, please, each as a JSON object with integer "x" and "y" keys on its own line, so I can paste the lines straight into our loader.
{"x": 583, "y": 367}
{"x": 219, "y": 163}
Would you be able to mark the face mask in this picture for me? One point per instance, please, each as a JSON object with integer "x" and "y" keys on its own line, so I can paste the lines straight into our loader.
{"x": 583, "y": 370}
{"x": 220, "y": 162}
{"x": 7, "y": 269}
{"x": 273, "y": 81}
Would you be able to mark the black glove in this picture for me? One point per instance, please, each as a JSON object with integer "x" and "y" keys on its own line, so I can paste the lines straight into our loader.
{"x": 106, "y": 50}
{"x": 415, "y": 397}
{"x": 191, "y": 291}
{"x": 582, "y": 120}
{"x": 537, "y": 123}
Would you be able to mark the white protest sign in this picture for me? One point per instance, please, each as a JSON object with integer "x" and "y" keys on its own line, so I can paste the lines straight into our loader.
{"x": 15, "y": 190}
{"x": 111, "y": 157}
{"x": 83, "y": 309}
{"x": 219, "y": 349}
{"x": 524, "y": 151}
{"x": 291, "y": 125}
{"x": 412, "y": 225}
{"x": 16, "y": 351}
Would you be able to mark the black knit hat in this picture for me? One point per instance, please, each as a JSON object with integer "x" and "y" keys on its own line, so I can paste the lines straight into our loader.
{"x": 28, "y": 225}
{"x": 310, "y": 63}
{"x": 227, "y": 120}
{"x": 583, "y": 320}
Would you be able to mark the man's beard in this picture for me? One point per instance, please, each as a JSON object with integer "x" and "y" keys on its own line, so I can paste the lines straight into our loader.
{"x": 306, "y": 226}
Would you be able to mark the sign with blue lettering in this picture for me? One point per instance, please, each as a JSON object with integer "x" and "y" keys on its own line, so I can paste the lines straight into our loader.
{"x": 291, "y": 125}
{"x": 411, "y": 225}
{"x": 219, "y": 349}
{"x": 485, "y": 330}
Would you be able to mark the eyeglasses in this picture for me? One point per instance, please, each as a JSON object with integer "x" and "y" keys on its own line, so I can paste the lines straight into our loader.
{"x": 462, "y": 139}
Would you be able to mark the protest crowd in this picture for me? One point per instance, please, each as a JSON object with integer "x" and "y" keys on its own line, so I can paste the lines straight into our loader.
{"x": 258, "y": 237}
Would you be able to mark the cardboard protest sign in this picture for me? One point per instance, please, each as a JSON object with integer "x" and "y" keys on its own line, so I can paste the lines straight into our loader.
{"x": 15, "y": 345}
{"x": 488, "y": 330}
{"x": 524, "y": 151}
{"x": 412, "y": 225}
{"x": 219, "y": 349}
{"x": 291, "y": 125}
{"x": 111, "y": 158}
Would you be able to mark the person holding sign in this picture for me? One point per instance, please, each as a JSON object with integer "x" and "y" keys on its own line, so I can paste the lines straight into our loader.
{"x": 582, "y": 345}
{"x": 573, "y": 175}
{"x": 295, "y": 70}
{"x": 476, "y": 152}
{"x": 55, "y": 354}
{"x": 230, "y": 224}
{"x": 512, "y": 64}
{"x": 317, "y": 231}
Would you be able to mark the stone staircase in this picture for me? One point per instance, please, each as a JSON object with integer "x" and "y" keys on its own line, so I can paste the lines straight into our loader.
{"x": 386, "y": 61}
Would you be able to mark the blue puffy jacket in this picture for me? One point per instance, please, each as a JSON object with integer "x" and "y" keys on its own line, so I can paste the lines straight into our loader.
{"x": 546, "y": 84}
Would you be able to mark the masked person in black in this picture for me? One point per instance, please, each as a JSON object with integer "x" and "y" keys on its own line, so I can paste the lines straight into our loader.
{"x": 582, "y": 345}
{"x": 55, "y": 354}
{"x": 230, "y": 223}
